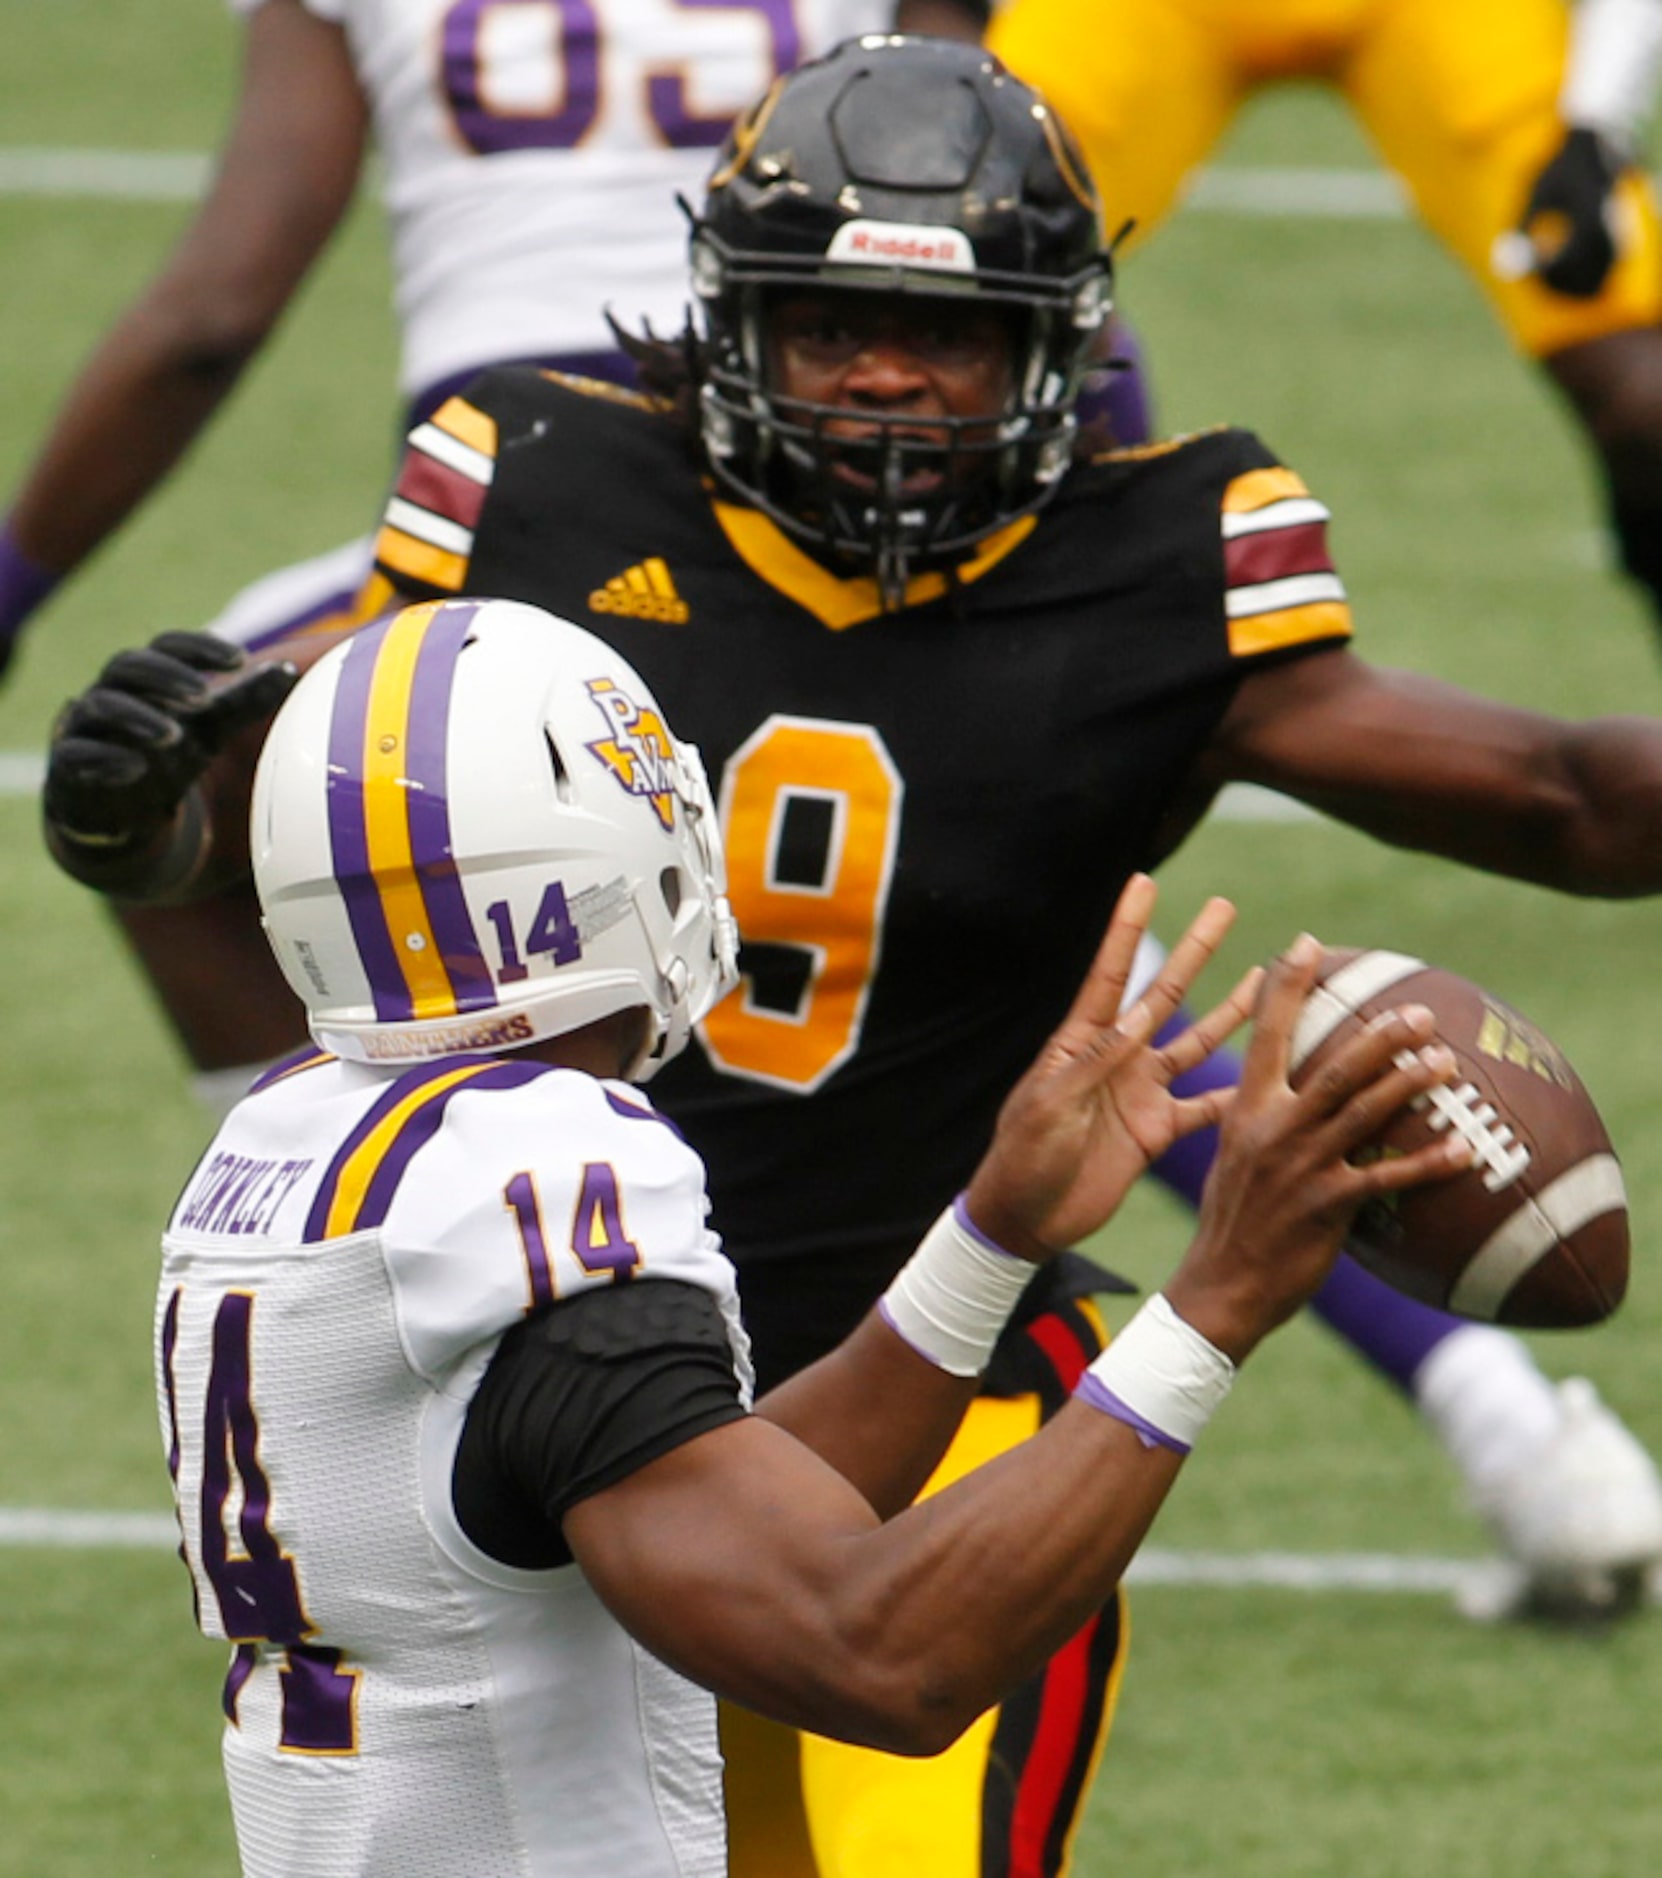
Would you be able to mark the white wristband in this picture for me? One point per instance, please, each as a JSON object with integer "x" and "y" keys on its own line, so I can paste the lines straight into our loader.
{"x": 952, "y": 1298}
{"x": 1161, "y": 1376}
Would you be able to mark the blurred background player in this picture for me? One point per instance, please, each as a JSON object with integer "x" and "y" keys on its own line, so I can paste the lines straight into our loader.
{"x": 532, "y": 154}
{"x": 488, "y": 1470}
{"x": 1518, "y": 146}
{"x": 877, "y": 636}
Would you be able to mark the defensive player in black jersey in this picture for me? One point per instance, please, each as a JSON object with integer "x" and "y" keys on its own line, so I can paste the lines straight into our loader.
{"x": 959, "y": 676}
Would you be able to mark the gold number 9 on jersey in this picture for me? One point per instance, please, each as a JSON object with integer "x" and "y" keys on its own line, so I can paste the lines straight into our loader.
{"x": 810, "y": 813}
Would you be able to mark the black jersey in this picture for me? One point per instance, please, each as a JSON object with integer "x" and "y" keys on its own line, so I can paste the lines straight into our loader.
{"x": 928, "y": 813}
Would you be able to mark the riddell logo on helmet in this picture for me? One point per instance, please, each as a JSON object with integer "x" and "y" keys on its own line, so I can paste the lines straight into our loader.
{"x": 903, "y": 244}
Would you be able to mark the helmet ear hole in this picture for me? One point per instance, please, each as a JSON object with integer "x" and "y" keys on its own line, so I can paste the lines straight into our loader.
{"x": 562, "y": 776}
{"x": 669, "y": 885}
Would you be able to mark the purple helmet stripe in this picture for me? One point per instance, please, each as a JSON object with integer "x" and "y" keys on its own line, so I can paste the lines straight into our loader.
{"x": 349, "y": 834}
{"x": 431, "y": 849}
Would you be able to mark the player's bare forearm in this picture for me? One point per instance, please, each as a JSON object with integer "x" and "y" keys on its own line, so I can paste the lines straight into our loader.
{"x": 875, "y": 1411}
{"x": 774, "y": 1584}
{"x": 285, "y": 179}
{"x": 1425, "y": 765}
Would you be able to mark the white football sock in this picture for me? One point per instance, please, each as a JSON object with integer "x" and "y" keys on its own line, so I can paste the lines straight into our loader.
{"x": 1490, "y": 1405}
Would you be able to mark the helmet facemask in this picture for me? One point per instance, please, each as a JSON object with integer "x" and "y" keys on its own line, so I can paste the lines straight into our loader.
{"x": 831, "y": 187}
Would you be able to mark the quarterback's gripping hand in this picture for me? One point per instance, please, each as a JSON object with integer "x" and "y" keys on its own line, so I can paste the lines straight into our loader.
{"x": 122, "y": 808}
{"x": 1097, "y": 1107}
{"x": 1568, "y": 223}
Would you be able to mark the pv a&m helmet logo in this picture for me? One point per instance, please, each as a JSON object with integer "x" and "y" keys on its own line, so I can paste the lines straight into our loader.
{"x": 638, "y": 752}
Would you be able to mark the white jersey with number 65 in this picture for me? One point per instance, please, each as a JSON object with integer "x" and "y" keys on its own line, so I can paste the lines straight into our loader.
{"x": 533, "y": 150}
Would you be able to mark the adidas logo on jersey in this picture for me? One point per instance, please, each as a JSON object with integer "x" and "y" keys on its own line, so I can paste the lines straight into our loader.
{"x": 644, "y": 591}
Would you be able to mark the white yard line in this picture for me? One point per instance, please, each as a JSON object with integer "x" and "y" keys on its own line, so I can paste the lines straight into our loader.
{"x": 60, "y": 1529}
{"x": 182, "y": 175}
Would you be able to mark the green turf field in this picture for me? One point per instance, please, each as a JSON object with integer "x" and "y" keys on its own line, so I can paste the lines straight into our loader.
{"x": 1263, "y": 1733}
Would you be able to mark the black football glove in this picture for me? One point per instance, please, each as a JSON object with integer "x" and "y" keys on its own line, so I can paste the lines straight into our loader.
{"x": 126, "y": 755}
{"x": 1567, "y": 220}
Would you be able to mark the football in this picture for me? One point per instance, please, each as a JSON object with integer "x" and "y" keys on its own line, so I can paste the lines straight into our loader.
{"x": 1535, "y": 1233}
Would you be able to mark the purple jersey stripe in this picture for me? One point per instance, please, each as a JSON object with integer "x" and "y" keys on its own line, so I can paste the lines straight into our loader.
{"x": 429, "y": 807}
{"x": 641, "y": 1111}
{"x": 348, "y": 834}
{"x": 376, "y": 1166}
{"x": 308, "y": 1058}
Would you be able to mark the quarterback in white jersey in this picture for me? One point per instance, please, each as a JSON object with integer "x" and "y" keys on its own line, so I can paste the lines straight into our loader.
{"x": 336, "y": 1277}
{"x": 453, "y": 1390}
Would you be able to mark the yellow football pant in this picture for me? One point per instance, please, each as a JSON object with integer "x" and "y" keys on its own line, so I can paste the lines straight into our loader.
{"x": 1003, "y": 1800}
{"x": 1460, "y": 97}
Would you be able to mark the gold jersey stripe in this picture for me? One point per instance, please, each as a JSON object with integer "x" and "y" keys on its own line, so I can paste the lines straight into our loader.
{"x": 352, "y": 1183}
{"x": 467, "y": 424}
{"x": 1258, "y": 487}
{"x": 420, "y": 560}
{"x": 1291, "y": 626}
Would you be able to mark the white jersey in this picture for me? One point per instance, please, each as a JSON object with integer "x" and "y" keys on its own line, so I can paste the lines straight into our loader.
{"x": 533, "y": 153}
{"x": 336, "y": 1276}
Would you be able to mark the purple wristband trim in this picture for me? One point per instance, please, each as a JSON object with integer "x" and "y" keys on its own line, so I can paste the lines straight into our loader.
{"x": 1094, "y": 1392}
{"x": 887, "y": 1316}
{"x": 23, "y": 585}
{"x": 960, "y": 1212}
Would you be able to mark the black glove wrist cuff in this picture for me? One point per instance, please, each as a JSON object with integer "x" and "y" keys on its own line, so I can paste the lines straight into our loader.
{"x": 163, "y": 869}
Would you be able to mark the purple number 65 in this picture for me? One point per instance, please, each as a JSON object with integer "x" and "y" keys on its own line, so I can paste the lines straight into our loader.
{"x": 527, "y": 74}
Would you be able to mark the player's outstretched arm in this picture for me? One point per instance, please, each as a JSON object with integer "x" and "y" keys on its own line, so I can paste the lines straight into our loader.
{"x": 285, "y": 178}
{"x": 1425, "y": 765}
{"x": 759, "y": 1571}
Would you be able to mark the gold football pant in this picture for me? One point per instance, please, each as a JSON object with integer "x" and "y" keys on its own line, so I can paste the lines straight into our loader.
{"x": 1460, "y": 99}
{"x": 1004, "y": 1800}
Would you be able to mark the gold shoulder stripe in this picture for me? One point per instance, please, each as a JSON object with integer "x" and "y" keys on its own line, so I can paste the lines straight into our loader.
{"x": 467, "y": 424}
{"x": 604, "y": 388}
{"x": 1292, "y": 626}
{"x": 361, "y": 1167}
{"x": 420, "y": 560}
{"x": 1255, "y": 489}
{"x": 1162, "y": 446}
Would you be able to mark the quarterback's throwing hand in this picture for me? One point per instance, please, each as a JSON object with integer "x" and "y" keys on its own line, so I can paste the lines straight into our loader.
{"x": 1097, "y": 1106}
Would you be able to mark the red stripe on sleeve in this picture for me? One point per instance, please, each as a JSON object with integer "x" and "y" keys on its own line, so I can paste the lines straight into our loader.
{"x": 1274, "y": 553}
{"x": 447, "y": 492}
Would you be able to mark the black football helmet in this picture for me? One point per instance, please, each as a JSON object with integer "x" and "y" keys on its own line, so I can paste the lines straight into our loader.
{"x": 911, "y": 166}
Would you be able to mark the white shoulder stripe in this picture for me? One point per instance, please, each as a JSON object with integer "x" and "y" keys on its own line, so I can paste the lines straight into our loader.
{"x": 454, "y": 454}
{"x": 1289, "y": 513}
{"x": 437, "y": 530}
{"x": 1350, "y": 987}
{"x": 1591, "y": 1187}
{"x": 1271, "y": 596}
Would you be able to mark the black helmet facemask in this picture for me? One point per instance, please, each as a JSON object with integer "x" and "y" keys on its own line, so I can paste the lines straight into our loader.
{"x": 899, "y": 166}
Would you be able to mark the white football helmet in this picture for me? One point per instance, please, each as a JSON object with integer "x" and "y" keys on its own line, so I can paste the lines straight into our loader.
{"x": 472, "y": 828}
